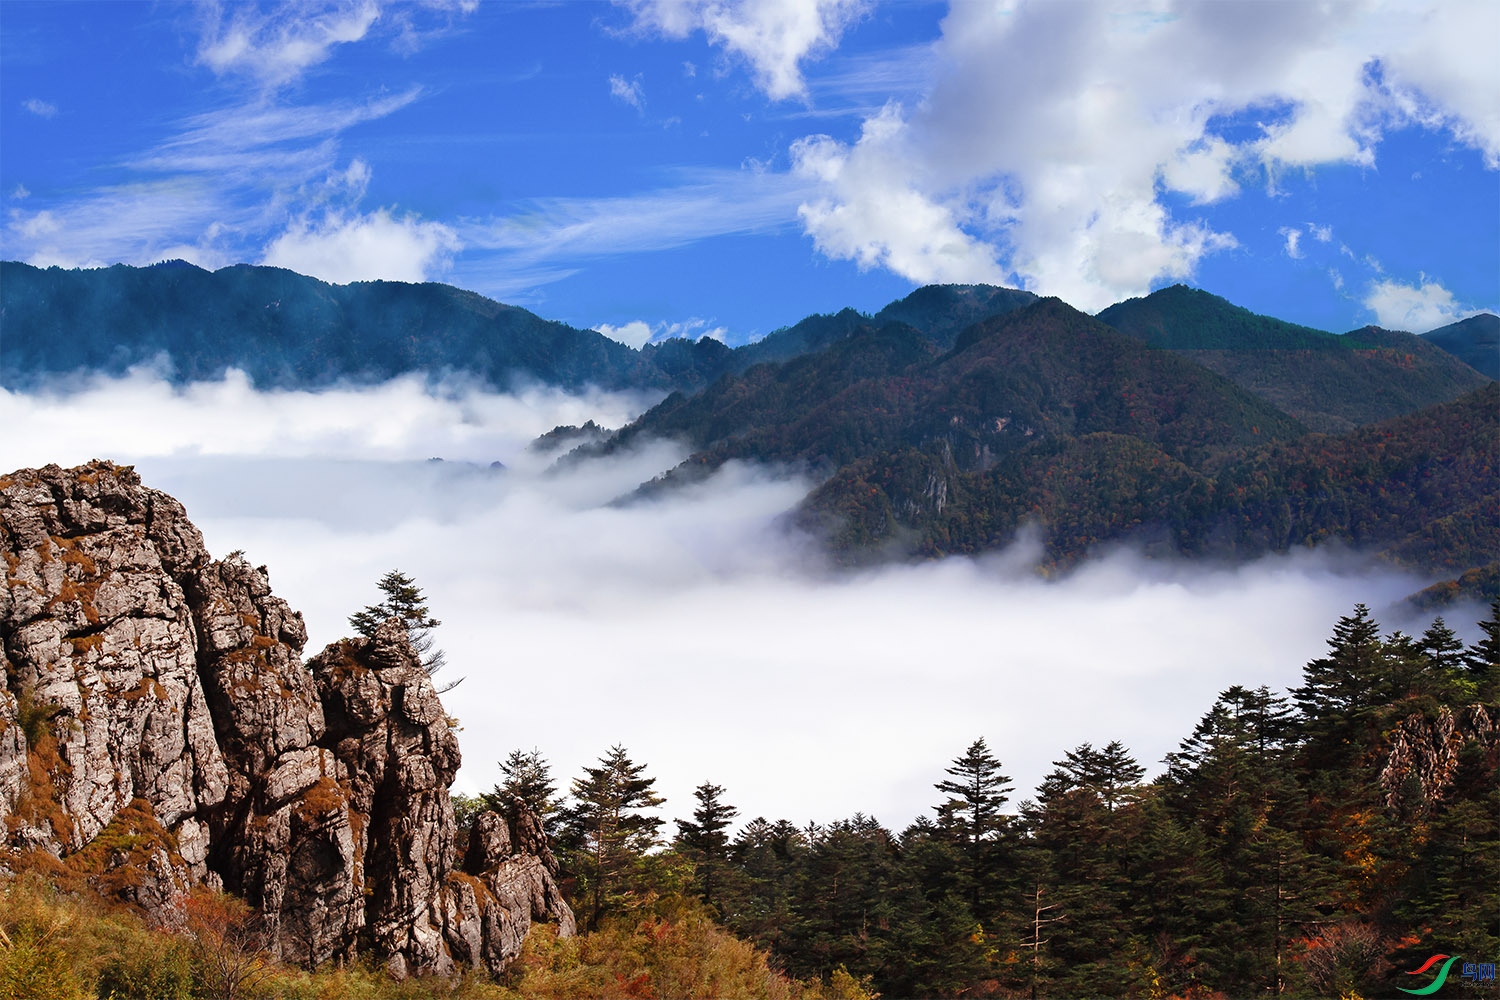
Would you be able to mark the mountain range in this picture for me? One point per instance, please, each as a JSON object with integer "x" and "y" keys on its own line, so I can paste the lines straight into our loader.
{"x": 945, "y": 422}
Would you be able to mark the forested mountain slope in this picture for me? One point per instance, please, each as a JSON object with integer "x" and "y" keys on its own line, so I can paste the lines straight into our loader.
{"x": 1329, "y": 382}
{"x": 1474, "y": 341}
{"x": 1034, "y": 374}
{"x": 1423, "y": 489}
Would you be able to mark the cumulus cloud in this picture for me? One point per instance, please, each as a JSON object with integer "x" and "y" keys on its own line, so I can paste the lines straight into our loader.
{"x": 342, "y": 249}
{"x": 1323, "y": 234}
{"x": 774, "y": 36}
{"x": 1050, "y": 132}
{"x": 694, "y": 628}
{"x": 630, "y": 92}
{"x": 1424, "y": 306}
{"x": 40, "y": 108}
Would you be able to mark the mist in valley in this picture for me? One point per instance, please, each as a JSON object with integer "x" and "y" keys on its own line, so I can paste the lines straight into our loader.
{"x": 695, "y": 628}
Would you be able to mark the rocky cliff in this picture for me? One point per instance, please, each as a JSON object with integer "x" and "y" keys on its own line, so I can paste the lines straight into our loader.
{"x": 159, "y": 729}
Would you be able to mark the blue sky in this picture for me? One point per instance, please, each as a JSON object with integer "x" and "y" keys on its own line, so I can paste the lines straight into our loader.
{"x": 658, "y": 167}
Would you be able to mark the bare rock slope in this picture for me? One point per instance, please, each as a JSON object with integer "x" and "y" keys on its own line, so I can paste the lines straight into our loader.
{"x": 159, "y": 729}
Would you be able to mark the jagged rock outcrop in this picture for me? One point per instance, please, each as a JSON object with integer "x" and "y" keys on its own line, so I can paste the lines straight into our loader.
{"x": 1425, "y": 755}
{"x": 159, "y": 729}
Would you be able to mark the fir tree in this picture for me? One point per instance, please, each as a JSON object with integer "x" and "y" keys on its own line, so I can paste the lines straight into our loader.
{"x": 605, "y": 833}
{"x": 703, "y": 838}
{"x": 526, "y": 781}
{"x": 404, "y": 600}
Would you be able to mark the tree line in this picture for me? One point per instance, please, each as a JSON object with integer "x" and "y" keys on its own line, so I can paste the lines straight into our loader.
{"x": 1318, "y": 842}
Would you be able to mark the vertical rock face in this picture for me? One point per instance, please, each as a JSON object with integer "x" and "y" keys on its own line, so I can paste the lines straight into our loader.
{"x": 1425, "y": 755}
{"x": 152, "y": 691}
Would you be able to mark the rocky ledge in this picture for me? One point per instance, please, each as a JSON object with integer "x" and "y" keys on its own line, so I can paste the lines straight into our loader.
{"x": 159, "y": 729}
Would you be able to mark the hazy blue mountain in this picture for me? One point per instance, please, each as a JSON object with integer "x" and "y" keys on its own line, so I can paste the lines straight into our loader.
{"x": 283, "y": 328}
{"x": 286, "y": 329}
{"x": 1328, "y": 381}
{"x": 1474, "y": 341}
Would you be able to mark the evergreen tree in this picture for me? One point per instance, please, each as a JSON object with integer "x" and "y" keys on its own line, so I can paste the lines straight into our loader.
{"x": 976, "y": 792}
{"x": 704, "y": 841}
{"x": 526, "y": 781}
{"x": 605, "y": 834}
{"x": 767, "y": 860}
{"x": 971, "y": 816}
{"x": 404, "y": 600}
{"x": 1483, "y": 658}
{"x": 1339, "y": 690}
{"x": 1110, "y": 773}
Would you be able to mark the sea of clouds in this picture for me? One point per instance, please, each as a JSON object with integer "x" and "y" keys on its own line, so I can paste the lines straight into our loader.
{"x": 696, "y": 629}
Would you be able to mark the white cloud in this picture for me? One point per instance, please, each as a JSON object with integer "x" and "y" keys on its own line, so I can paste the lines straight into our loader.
{"x": 1293, "y": 239}
{"x": 636, "y": 333}
{"x": 133, "y": 223}
{"x": 630, "y": 92}
{"x": 774, "y": 36}
{"x": 279, "y": 45}
{"x": 691, "y": 629}
{"x": 342, "y": 249}
{"x": 1444, "y": 63}
{"x": 1043, "y": 146}
{"x": 880, "y": 217}
{"x": 40, "y": 108}
{"x": 1323, "y": 234}
{"x": 1418, "y": 308}
{"x": 20, "y": 192}
{"x": 544, "y": 240}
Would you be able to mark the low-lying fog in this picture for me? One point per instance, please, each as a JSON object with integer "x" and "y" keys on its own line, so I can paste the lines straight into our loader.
{"x": 691, "y": 629}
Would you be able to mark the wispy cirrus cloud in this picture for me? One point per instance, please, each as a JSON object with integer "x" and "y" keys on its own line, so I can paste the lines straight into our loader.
{"x": 40, "y": 108}
{"x": 277, "y": 45}
{"x": 259, "y": 176}
{"x": 226, "y": 185}
{"x": 546, "y": 239}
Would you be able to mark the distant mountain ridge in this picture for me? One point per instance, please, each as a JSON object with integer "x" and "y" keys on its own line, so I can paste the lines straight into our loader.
{"x": 286, "y": 329}
{"x": 1330, "y": 382}
{"x": 1475, "y": 341}
{"x": 943, "y": 423}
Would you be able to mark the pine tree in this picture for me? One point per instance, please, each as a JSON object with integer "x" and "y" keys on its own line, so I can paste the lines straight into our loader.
{"x": 605, "y": 833}
{"x": 703, "y": 838}
{"x": 404, "y": 600}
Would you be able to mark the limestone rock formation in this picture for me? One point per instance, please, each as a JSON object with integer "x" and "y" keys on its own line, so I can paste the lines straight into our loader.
{"x": 159, "y": 728}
